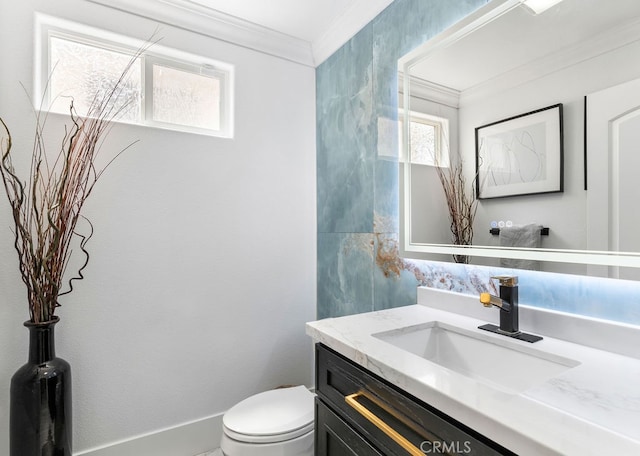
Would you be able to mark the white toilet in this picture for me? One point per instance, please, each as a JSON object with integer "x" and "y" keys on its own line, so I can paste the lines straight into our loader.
{"x": 274, "y": 423}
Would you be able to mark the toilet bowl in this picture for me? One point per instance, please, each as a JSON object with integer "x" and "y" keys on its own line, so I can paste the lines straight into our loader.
{"x": 274, "y": 423}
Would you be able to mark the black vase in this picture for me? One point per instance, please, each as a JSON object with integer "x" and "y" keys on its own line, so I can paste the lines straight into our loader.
{"x": 40, "y": 422}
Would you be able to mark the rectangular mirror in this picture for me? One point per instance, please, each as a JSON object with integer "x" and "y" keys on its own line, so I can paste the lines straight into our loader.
{"x": 503, "y": 62}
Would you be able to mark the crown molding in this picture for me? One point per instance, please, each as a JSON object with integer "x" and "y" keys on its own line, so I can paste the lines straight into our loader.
{"x": 571, "y": 55}
{"x": 191, "y": 16}
{"x": 359, "y": 14}
{"x": 197, "y": 18}
{"x": 431, "y": 91}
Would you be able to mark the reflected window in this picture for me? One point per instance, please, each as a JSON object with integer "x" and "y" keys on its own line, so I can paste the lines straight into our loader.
{"x": 428, "y": 140}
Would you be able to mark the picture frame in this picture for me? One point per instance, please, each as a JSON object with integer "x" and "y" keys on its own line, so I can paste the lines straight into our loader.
{"x": 521, "y": 155}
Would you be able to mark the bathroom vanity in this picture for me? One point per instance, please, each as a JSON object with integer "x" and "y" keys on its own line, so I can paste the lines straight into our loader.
{"x": 423, "y": 379}
{"x": 355, "y": 410}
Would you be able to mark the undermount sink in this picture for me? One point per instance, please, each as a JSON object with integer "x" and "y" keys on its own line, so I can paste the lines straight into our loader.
{"x": 495, "y": 360}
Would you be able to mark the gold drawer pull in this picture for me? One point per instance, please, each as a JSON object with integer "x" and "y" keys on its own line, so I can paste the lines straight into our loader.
{"x": 394, "y": 435}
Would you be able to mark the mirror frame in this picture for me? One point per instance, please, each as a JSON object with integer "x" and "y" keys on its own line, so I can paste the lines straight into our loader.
{"x": 481, "y": 17}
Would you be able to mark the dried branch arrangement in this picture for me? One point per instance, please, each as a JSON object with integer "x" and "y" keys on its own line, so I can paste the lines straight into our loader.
{"x": 462, "y": 206}
{"x": 47, "y": 205}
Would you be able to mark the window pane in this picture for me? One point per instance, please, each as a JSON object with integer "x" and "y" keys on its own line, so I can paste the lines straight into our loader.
{"x": 83, "y": 72}
{"x": 184, "y": 98}
{"x": 423, "y": 143}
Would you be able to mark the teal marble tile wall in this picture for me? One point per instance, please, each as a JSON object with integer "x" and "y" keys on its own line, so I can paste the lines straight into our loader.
{"x": 359, "y": 269}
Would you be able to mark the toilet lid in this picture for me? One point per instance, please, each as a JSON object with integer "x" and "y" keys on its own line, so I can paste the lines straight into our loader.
{"x": 272, "y": 416}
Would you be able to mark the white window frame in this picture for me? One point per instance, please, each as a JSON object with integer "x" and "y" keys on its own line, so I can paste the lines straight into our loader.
{"x": 48, "y": 26}
{"x": 441, "y": 138}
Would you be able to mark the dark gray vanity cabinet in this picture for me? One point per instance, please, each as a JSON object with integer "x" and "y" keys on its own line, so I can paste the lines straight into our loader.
{"x": 334, "y": 436}
{"x": 359, "y": 413}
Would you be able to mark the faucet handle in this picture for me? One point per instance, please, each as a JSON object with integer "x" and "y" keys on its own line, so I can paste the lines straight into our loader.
{"x": 507, "y": 281}
{"x": 485, "y": 299}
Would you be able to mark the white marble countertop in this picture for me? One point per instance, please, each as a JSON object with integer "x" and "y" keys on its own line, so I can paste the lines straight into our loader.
{"x": 590, "y": 409}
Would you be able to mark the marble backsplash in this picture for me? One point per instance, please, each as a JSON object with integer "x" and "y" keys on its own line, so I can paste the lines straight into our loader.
{"x": 359, "y": 268}
{"x": 360, "y": 272}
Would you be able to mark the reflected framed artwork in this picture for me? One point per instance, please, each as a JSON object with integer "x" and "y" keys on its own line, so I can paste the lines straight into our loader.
{"x": 521, "y": 155}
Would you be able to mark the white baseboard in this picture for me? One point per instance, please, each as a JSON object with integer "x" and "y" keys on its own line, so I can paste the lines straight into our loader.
{"x": 187, "y": 439}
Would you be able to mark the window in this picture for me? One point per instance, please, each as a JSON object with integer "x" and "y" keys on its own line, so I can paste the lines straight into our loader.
{"x": 428, "y": 139}
{"x": 81, "y": 72}
{"x": 165, "y": 88}
{"x": 182, "y": 97}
